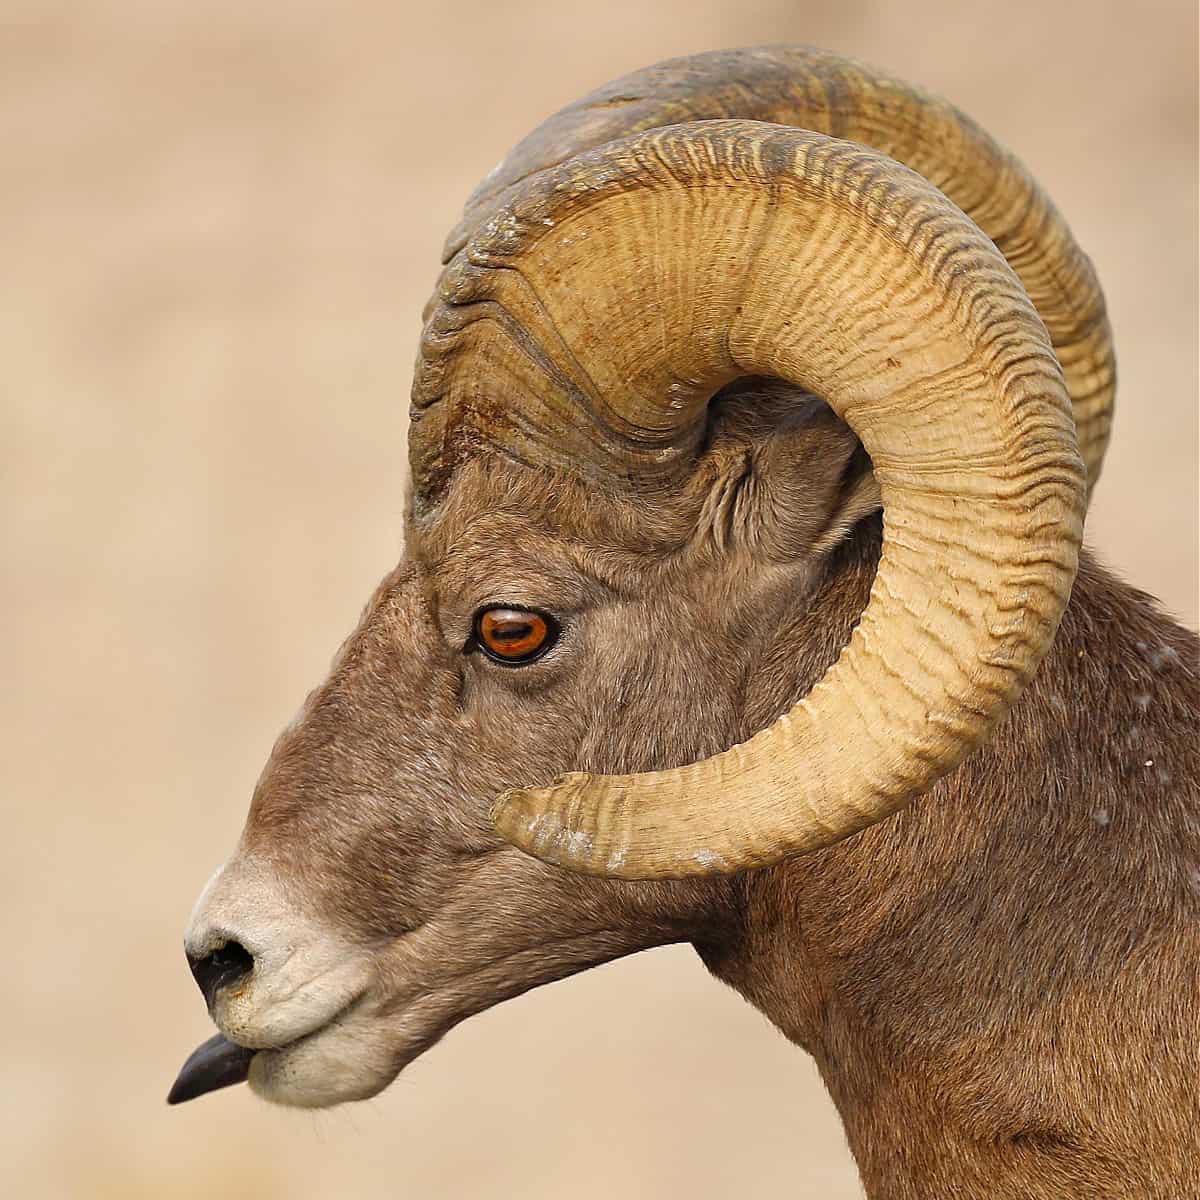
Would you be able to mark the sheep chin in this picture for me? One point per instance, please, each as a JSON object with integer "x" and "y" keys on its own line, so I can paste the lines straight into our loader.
{"x": 335, "y": 1065}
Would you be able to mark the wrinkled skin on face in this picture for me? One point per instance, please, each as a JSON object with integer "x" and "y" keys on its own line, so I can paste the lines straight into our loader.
{"x": 369, "y": 846}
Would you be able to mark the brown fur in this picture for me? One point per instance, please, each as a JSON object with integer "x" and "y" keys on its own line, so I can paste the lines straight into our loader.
{"x": 999, "y": 983}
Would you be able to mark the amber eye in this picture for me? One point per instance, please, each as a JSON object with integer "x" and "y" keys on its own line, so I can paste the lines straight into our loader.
{"x": 514, "y": 635}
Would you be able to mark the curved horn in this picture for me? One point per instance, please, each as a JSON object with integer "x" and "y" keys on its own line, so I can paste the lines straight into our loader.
{"x": 826, "y": 93}
{"x": 615, "y": 293}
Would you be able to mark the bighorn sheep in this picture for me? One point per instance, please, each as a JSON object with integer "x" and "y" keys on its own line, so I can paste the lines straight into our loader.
{"x": 652, "y": 629}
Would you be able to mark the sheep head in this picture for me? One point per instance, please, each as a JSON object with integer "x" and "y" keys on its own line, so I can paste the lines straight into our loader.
{"x": 370, "y": 889}
{"x": 625, "y": 497}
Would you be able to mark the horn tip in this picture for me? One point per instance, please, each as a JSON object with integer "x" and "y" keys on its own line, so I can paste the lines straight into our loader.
{"x": 529, "y": 819}
{"x": 534, "y": 820}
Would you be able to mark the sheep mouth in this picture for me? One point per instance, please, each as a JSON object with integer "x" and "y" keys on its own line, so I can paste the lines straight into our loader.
{"x": 221, "y": 1062}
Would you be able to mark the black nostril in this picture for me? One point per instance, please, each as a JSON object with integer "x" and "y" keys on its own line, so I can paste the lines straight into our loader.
{"x": 225, "y": 965}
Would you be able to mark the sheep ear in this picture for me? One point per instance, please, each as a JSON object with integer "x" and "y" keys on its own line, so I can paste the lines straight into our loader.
{"x": 857, "y": 498}
{"x": 813, "y": 484}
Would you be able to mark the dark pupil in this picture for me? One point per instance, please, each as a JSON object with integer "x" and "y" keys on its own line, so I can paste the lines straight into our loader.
{"x": 513, "y": 631}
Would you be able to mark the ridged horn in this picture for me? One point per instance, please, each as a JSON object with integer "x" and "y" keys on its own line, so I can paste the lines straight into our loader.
{"x": 590, "y": 320}
{"x": 813, "y": 89}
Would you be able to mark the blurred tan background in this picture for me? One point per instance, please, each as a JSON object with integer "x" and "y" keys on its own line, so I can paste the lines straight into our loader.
{"x": 218, "y": 223}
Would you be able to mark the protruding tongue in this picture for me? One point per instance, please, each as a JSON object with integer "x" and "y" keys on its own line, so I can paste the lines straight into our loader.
{"x": 216, "y": 1064}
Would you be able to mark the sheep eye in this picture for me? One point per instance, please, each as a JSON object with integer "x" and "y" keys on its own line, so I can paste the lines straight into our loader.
{"x": 514, "y": 636}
